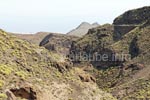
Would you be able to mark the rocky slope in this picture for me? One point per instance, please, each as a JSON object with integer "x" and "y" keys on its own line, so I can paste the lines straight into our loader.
{"x": 96, "y": 41}
{"x": 129, "y": 20}
{"x": 126, "y": 78}
{"x": 29, "y": 72}
{"x": 136, "y": 43}
{"x": 59, "y": 43}
{"x": 82, "y": 29}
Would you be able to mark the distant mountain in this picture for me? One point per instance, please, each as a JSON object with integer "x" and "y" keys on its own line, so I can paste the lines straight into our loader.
{"x": 82, "y": 29}
{"x": 33, "y": 38}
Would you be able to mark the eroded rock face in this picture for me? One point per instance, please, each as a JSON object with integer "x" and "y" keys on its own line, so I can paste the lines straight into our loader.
{"x": 10, "y": 95}
{"x": 87, "y": 78}
{"x": 26, "y": 93}
{"x": 129, "y": 20}
{"x": 64, "y": 66}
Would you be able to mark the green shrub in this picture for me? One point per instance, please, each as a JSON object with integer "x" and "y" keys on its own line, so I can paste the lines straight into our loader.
{"x": 22, "y": 74}
{"x": 3, "y": 96}
{"x": 5, "y": 69}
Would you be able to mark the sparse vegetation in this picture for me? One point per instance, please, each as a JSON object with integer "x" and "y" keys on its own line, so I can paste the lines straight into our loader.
{"x": 5, "y": 69}
{"x": 24, "y": 64}
{"x": 120, "y": 78}
{"x": 28, "y": 71}
{"x": 3, "y": 96}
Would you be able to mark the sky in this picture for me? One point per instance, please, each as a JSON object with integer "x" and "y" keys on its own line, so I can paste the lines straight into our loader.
{"x": 60, "y": 16}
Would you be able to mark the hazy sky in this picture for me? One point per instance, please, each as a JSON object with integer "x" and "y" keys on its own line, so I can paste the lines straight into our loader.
{"x": 28, "y": 16}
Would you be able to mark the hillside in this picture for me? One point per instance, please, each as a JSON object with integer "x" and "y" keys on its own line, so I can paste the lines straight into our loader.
{"x": 59, "y": 43}
{"x": 127, "y": 40}
{"x": 82, "y": 29}
{"x": 130, "y": 80}
{"x": 136, "y": 43}
{"x": 33, "y": 38}
{"x": 95, "y": 41}
{"x": 29, "y": 72}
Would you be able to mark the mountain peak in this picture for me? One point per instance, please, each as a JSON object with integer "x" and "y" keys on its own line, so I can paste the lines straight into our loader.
{"x": 95, "y": 24}
{"x": 82, "y": 29}
{"x": 84, "y": 25}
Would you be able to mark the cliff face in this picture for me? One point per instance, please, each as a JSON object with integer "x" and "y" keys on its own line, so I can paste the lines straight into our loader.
{"x": 129, "y": 20}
